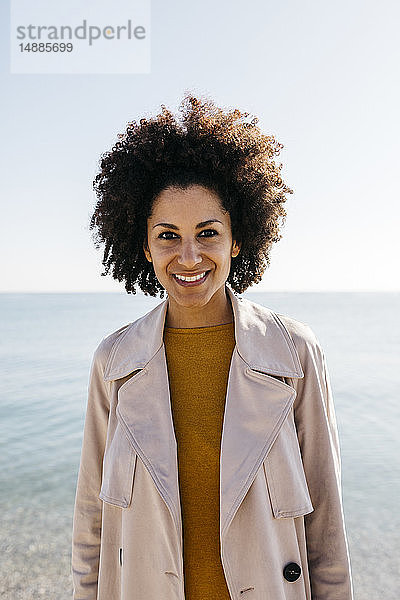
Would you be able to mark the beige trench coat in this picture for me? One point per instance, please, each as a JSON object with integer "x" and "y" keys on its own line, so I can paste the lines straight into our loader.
{"x": 282, "y": 530}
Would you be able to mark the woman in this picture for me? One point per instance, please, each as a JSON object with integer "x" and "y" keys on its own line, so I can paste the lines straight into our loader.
{"x": 210, "y": 462}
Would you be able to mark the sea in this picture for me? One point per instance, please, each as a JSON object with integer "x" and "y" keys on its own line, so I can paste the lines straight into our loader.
{"x": 46, "y": 346}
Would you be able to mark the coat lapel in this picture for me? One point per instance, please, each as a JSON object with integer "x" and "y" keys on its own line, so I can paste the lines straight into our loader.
{"x": 256, "y": 402}
{"x": 144, "y": 410}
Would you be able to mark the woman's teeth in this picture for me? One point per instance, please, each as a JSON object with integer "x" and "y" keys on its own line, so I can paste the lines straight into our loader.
{"x": 191, "y": 278}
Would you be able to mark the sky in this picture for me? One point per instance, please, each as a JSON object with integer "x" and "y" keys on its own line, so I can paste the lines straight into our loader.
{"x": 322, "y": 77}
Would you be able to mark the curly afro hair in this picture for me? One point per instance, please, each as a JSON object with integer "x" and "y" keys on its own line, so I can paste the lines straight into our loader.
{"x": 221, "y": 151}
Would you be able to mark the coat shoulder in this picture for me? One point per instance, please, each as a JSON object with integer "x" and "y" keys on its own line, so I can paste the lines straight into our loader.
{"x": 298, "y": 330}
{"x": 300, "y": 334}
{"x": 104, "y": 348}
{"x": 303, "y": 336}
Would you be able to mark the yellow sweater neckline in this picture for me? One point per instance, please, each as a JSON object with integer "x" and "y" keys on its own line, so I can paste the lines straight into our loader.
{"x": 198, "y": 329}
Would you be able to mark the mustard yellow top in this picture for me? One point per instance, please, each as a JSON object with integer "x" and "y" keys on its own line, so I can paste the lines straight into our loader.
{"x": 198, "y": 362}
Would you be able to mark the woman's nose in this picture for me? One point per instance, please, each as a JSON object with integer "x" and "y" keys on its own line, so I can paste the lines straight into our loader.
{"x": 189, "y": 254}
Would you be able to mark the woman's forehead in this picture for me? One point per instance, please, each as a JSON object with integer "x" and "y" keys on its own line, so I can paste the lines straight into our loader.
{"x": 195, "y": 203}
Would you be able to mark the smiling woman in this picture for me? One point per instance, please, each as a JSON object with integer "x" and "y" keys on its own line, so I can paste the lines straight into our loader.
{"x": 221, "y": 152}
{"x": 210, "y": 463}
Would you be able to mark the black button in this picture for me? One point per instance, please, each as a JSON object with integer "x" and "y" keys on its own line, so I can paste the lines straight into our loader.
{"x": 292, "y": 571}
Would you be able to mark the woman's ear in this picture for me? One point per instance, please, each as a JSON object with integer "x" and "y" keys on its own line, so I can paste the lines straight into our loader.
{"x": 146, "y": 251}
{"x": 236, "y": 248}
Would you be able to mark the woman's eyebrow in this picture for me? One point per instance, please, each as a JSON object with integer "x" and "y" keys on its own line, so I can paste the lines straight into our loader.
{"x": 202, "y": 224}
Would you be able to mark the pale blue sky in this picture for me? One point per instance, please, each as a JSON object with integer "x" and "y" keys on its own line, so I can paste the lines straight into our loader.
{"x": 323, "y": 77}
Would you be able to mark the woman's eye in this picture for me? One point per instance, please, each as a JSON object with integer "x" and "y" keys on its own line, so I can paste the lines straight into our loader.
{"x": 165, "y": 233}
{"x": 208, "y": 231}
{"x": 205, "y": 231}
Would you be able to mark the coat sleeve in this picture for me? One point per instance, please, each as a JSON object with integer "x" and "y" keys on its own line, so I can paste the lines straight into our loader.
{"x": 86, "y": 531}
{"x": 327, "y": 547}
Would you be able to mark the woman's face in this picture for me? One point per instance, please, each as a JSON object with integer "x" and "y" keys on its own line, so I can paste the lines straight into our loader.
{"x": 189, "y": 234}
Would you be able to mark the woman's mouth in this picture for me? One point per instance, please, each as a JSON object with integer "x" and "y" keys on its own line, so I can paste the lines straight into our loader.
{"x": 191, "y": 281}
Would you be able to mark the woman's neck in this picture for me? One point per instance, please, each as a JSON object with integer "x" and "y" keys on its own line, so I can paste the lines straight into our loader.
{"x": 213, "y": 313}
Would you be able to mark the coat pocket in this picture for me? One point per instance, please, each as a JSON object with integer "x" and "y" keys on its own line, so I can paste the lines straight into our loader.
{"x": 118, "y": 470}
{"x": 285, "y": 476}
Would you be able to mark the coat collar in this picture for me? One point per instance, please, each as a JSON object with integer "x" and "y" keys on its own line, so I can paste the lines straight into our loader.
{"x": 262, "y": 341}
